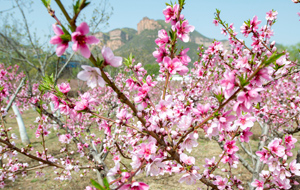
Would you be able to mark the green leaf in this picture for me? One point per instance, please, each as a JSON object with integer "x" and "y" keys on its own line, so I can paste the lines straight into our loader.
{"x": 128, "y": 62}
{"x": 38, "y": 110}
{"x": 243, "y": 80}
{"x": 65, "y": 37}
{"x": 134, "y": 79}
{"x": 97, "y": 185}
{"x": 105, "y": 182}
{"x": 86, "y": 4}
{"x": 45, "y": 3}
{"x": 273, "y": 58}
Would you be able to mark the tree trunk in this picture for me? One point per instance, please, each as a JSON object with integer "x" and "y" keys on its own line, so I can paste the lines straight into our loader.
{"x": 296, "y": 178}
{"x": 22, "y": 129}
{"x": 55, "y": 113}
{"x": 258, "y": 164}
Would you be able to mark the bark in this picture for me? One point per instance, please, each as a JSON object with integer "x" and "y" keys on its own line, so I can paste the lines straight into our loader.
{"x": 22, "y": 129}
{"x": 296, "y": 178}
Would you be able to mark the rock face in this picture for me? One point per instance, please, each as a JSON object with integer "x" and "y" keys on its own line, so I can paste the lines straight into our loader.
{"x": 118, "y": 37}
{"x": 114, "y": 39}
{"x": 147, "y": 24}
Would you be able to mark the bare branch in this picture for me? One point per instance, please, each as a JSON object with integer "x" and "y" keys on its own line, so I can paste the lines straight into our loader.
{"x": 247, "y": 151}
{"x": 63, "y": 67}
{"x": 28, "y": 32}
{"x": 15, "y": 94}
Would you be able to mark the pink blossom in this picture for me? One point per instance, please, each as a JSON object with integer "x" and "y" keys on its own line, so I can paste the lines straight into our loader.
{"x": 81, "y": 105}
{"x": 92, "y": 75}
{"x": 185, "y": 122}
{"x": 215, "y": 22}
{"x": 115, "y": 170}
{"x": 210, "y": 163}
{"x": 212, "y": 130}
{"x": 155, "y": 168}
{"x": 245, "y": 121}
{"x": 271, "y": 15}
{"x": 230, "y": 147}
{"x": 226, "y": 120}
{"x": 190, "y": 178}
{"x": 258, "y": 184}
{"x": 81, "y": 40}
{"x": 295, "y": 167}
{"x": 282, "y": 173}
{"x": 123, "y": 116}
{"x": 248, "y": 97}
{"x": 160, "y": 53}
{"x": 184, "y": 58}
{"x": 290, "y": 141}
{"x": 163, "y": 37}
{"x": 275, "y": 147}
{"x": 64, "y": 108}
{"x": 62, "y": 44}
{"x": 246, "y": 133}
{"x": 189, "y": 143}
{"x": 254, "y": 23}
{"x": 116, "y": 159}
{"x": 147, "y": 150}
{"x": 90, "y": 188}
{"x": 150, "y": 82}
{"x": 201, "y": 109}
{"x": 135, "y": 186}
{"x": 110, "y": 58}
{"x": 65, "y": 138}
{"x": 221, "y": 182}
{"x": 228, "y": 83}
{"x": 64, "y": 87}
{"x": 183, "y": 29}
{"x": 174, "y": 65}
{"x": 264, "y": 155}
{"x": 171, "y": 12}
{"x": 188, "y": 160}
{"x": 262, "y": 75}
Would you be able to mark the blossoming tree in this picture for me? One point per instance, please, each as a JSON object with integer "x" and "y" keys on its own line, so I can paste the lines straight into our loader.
{"x": 229, "y": 90}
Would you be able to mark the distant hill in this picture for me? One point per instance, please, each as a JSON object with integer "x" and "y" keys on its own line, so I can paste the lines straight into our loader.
{"x": 141, "y": 43}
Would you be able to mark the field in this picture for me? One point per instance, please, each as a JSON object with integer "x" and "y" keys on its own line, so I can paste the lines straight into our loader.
{"x": 207, "y": 148}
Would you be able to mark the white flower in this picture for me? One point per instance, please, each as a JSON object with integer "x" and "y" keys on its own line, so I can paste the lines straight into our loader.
{"x": 92, "y": 75}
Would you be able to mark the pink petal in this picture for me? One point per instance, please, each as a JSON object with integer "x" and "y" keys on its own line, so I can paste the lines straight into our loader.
{"x": 92, "y": 82}
{"x": 83, "y": 75}
{"x": 97, "y": 70}
{"x": 101, "y": 81}
{"x": 83, "y": 28}
{"x": 116, "y": 62}
{"x": 75, "y": 46}
{"x": 85, "y": 51}
{"x": 92, "y": 40}
{"x": 182, "y": 70}
{"x": 191, "y": 28}
{"x": 107, "y": 53}
{"x": 57, "y": 30}
{"x": 60, "y": 49}
{"x": 185, "y": 38}
{"x": 87, "y": 68}
{"x": 55, "y": 40}
{"x": 74, "y": 35}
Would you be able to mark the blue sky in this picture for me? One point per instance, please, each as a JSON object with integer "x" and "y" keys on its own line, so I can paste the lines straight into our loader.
{"x": 200, "y": 13}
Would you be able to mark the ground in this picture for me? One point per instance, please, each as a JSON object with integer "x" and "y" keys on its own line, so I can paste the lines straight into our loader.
{"x": 206, "y": 149}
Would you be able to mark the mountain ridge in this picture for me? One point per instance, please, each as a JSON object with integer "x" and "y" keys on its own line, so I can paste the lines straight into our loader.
{"x": 140, "y": 41}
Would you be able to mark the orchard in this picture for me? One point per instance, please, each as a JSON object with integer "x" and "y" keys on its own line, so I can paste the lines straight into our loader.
{"x": 151, "y": 128}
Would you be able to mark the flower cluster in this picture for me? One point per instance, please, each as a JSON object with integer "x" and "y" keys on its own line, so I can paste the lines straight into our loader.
{"x": 79, "y": 38}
